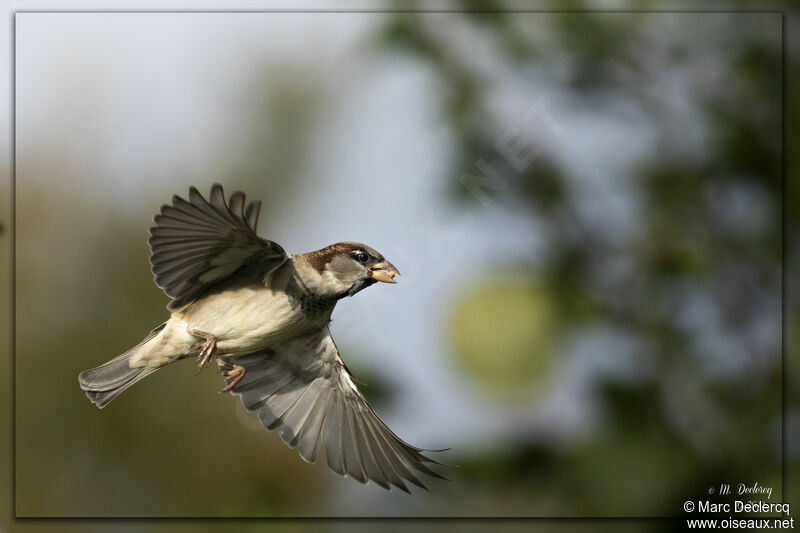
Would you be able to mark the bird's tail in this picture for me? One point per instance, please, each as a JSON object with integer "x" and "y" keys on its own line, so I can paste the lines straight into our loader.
{"x": 107, "y": 381}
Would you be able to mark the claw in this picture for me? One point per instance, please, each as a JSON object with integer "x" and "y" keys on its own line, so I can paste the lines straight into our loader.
{"x": 237, "y": 372}
{"x": 207, "y": 348}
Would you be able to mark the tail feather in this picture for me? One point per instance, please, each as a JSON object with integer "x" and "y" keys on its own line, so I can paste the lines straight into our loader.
{"x": 107, "y": 381}
{"x": 101, "y": 397}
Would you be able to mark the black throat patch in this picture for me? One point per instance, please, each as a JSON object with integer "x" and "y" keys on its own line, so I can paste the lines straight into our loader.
{"x": 310, "y": 305}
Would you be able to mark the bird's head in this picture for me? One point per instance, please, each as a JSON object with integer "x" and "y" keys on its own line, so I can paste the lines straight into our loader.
{"x": 345, "y": 268}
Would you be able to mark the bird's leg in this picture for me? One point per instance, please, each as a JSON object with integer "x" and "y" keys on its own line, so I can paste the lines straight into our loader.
{"x": 207, "y": 348}
{"x": 234, "y": 371}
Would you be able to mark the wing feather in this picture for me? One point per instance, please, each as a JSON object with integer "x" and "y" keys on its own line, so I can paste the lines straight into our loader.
{"x": 294, "y": 419}
{"x": 350, "y": 442}
{"x": 334, "y": 440}
{"x": 251, "y": 215}
{"x": 197, "y": 243}
{"x": 282, "y": 402}
{"x": 302, "y": 390}
{"x": 392, "y": 471}
{"x": 236, "y": 205}
{"x": 369, "y": 461}
{"x": 311, "y": 433}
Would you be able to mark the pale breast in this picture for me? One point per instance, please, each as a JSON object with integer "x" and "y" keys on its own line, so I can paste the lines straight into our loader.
{"x": 250, "y": 317}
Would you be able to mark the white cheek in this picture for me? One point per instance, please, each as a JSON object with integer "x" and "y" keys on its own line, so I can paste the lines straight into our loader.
{"x": 335, "y": 285}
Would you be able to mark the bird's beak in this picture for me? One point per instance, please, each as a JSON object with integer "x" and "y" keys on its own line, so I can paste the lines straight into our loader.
{"x": 383, "y": 271}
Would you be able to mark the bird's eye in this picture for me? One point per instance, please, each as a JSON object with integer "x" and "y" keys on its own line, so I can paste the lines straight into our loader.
{"x": 360, "y": 256}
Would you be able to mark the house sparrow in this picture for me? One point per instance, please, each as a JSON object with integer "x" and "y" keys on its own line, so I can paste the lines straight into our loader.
{"x": 264, "y": 315}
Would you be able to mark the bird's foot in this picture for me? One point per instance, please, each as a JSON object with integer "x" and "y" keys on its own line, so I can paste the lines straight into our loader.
{"x": 207, "y": 348}
{"x": 236, "y": 372}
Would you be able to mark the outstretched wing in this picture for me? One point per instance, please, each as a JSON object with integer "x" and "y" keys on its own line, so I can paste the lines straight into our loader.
{"x": 197, "y": 243}
{"x": 302, "y": 390}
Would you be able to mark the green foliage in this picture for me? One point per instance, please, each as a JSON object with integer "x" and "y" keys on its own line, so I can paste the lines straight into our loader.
{"x": 502, "y": 335}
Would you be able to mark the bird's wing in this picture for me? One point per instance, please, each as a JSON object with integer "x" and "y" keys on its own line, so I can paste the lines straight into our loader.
{"x": 197, "y": 243}
{"x": 302, "y": 389}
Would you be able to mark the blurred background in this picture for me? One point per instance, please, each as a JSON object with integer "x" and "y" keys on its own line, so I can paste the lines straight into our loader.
{"x": 585, "y": 209}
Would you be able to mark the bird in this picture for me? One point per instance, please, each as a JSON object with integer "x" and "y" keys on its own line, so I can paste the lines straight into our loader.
{"x": 263, "y": 315}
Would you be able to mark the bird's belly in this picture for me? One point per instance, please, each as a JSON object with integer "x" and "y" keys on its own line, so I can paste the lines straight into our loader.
{"x": 245, "y": 320}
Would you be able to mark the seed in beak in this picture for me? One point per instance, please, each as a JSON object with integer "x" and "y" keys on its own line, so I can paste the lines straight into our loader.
{"x": 384, "y": 271}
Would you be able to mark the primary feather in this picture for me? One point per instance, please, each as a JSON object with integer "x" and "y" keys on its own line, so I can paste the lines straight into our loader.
{"x": 197, "y": 243}
{"x": 303, "y": 392}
